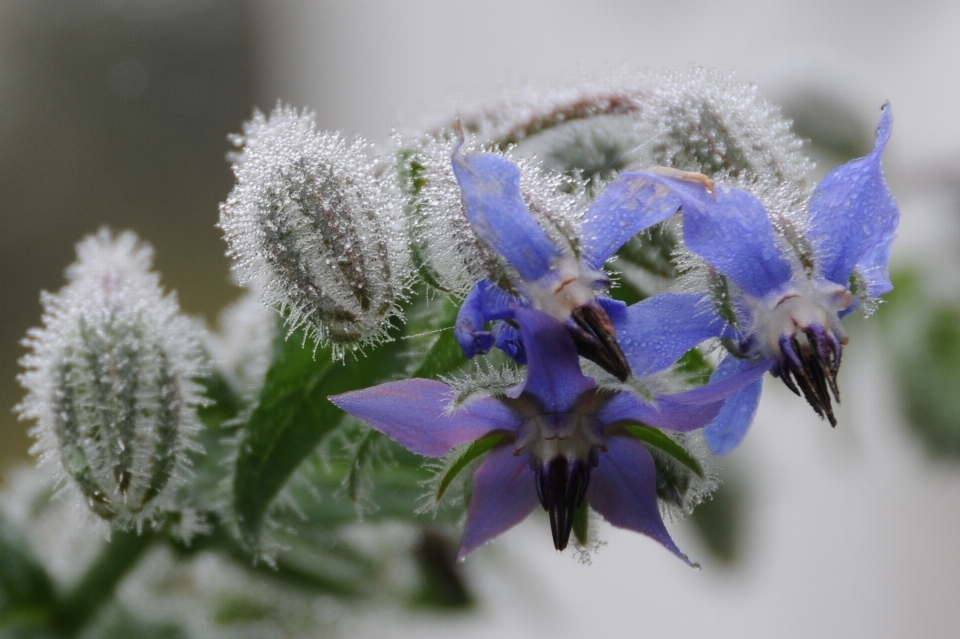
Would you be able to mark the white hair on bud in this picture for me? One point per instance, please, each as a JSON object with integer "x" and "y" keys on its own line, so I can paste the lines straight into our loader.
{"x": 110, "y": 383}
{"x": 447, "y": 252}
{"x": 310, "y": 222}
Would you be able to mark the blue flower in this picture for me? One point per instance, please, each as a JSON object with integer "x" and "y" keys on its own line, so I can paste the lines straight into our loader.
{"x": 790, "y": 289}
{"x": 564, "y": 441}
{"x": 562, "y": 281}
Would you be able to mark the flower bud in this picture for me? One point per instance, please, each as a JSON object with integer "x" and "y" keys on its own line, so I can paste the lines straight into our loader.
{"x": 448, "y": 253}
{"x": 309, "y": 222}
{"x": 109, "y": 380}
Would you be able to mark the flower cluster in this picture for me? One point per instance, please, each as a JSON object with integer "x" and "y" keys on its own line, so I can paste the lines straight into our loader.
{"x": 581, "y": 292}
{"x": 777, "y": 291}
{"x": 782, "y": 290}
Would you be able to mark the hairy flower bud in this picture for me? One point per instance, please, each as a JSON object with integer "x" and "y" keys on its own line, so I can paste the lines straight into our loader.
{"x": 447, "y": 251}
{"x": 308, "y": 220}
{"x": 109, "y": 380}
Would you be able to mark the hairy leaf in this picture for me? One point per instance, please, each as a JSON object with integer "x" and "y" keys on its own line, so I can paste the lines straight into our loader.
{"x": 660, "y": 440}
{"x": 292, "y": 416}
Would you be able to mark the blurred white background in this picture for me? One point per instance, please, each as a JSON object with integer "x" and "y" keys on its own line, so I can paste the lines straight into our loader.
{"x": 850, "y": 532}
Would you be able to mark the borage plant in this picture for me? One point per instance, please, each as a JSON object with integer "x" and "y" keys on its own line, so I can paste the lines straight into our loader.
{"x": 566, "y": 299}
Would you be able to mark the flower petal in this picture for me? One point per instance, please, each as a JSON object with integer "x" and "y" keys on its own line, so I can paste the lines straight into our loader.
{"x": 684, "y": 411}
{"x": 553, "y": 366}
{"x": 490, "y": 187}
{"x": 657, "y": 331}
{"x": 853, "y": 218}
{"x": 485, "y": 302}
{"x": 730, "y": 229}
{"x": 628, "y": 205}
{"x": 615, "y": 309}
{"x": 623, "y": 489}
{"x": 508, "y": 340}
{"x": 416, "y": 414}
{"x": 504, "y": 494}
{"x": 726, "y": 431}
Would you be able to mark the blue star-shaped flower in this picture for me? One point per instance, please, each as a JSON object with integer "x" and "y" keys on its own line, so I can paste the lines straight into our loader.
{"x": 788, "y": 302}
{"x": 567, "y": 284}
{"x": 565, "y": 442}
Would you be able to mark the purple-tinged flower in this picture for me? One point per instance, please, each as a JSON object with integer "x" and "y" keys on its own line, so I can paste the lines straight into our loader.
{"x": 783, "y": 292}
{"x": 564, "y": 442}
{"x": 562, "y": 281}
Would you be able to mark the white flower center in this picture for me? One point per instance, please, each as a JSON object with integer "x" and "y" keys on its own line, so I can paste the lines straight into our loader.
{"x": 549, "y": 436}
{"x": 568, "y": 285}
{"x": 799, "y": 307}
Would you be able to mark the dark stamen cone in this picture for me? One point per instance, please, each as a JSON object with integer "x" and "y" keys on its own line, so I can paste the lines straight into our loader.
{"x": 562, "y": 486}
{"x": 596, "y": 340}
{"x": 809, "y": 365}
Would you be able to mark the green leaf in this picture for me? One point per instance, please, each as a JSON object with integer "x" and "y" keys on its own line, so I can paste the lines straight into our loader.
{"x": 929, "y": 376}
{"x": 694, "y": 367}
{"x": 292, "y": 416}
{"x": 120, "y": 623}
{"x": 26, "y": 591}
{"x": 217, "y": 436}
{"x": 362, "y": 459}
{"x": 652, "y": 251}
{"x": 661, "y": 441}
{"x": 722, "y": 299}
{"x": 443, "y": 357}
{"x": 225, "y": 404}
{"x": 395, "y": 489}
{"x": 923, "y": 337}
{"x": 470, "y": 453}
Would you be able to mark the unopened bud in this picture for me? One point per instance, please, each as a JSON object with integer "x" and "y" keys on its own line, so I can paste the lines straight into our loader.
{"x": 447, "y": 252}
{"x": 309, "y": 221}
{"x": 109, "y": 380}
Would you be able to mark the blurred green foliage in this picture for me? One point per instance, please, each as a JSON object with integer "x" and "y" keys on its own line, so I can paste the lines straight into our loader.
{"x": 922, "y": 335}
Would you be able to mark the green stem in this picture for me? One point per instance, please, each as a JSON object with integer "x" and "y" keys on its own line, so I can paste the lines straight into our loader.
{"x": 98, "y": 584}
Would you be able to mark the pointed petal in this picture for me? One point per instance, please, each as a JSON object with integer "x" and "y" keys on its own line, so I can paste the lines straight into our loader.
{"x": 623, "y": 489}
{"x": 657, "y": 331}
{"x": 628, "y": 205}
{"x": 553, "y": 366}
{"x": 731, "y": 230}
{"x": 504, "y": 494}
{"x": 727, "y": 430}
{"x": 485, "y": 302}
{"x": 416, "y": 414}
{"x": 490, "y": 187}
{"x": 684, "y": 411}
{"x": 853, "y": 218}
